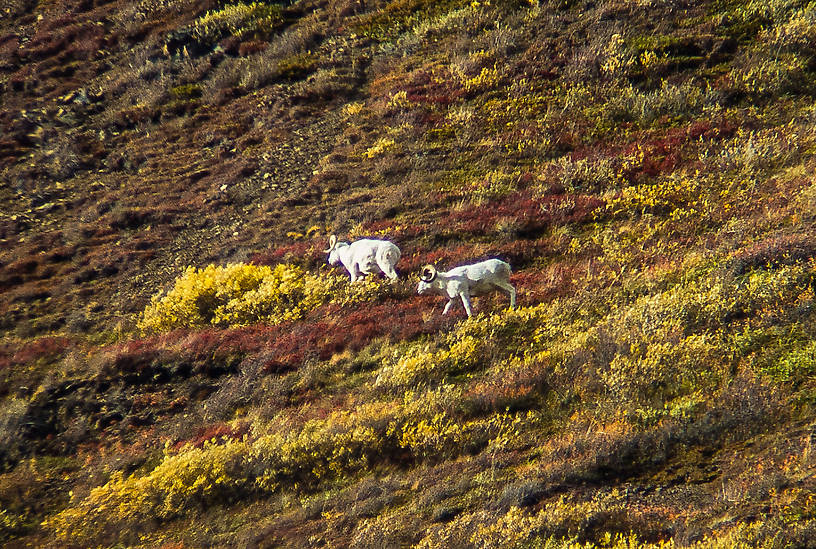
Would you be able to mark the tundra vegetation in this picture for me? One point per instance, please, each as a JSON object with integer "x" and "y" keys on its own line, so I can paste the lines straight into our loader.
{"x": 180, "y": 368}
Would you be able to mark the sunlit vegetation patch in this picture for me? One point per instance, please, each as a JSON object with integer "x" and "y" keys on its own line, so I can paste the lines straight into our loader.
{"x": 399, "y": 16}
{"x": 241, "y": 294}
{"x": 243, "y": 20}
{"x": 654, "y": 358}
{"x": 518, "y": 528}
{"x": 340, "y": 444}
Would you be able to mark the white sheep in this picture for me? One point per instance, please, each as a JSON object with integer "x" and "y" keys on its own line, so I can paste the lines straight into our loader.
{"x": 364, "y": 256}
{"x": 467, "y": 281}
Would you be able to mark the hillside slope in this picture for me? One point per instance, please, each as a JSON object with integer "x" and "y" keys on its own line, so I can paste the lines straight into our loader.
{"x": 179, "y": 367}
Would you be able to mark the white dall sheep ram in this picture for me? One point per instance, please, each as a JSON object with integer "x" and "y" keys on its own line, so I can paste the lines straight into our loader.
{"x": 467, "y": 281}
{"x": 364, "y": 256}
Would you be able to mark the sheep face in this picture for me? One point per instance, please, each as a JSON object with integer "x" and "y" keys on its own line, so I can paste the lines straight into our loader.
{"x": 425, "y": 288}
{"x": 428, "y": 281}
{"x": 334, "y": 254}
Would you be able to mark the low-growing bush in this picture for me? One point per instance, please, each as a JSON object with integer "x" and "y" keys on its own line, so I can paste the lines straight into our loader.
{"x": 795, "y": 365}
{"x": 512, "y": 385}
{"x": 671, "y": 100}
{"x": 197, "y": 476}
{"x": 291, "y": 452}
{"x": 763, "y": 77}
{"x": 241, "y": 294}
{"x": 588, "y": 175}
{"x": 754, "y": 152}
{"x": 243, "y": 20}
{"x": 774, "y": 252}
{"x": 401, "y": 15}
{"x": 679, "y": 196}
{"x": 201, "y": 297}
{"x": 473, "y": 344}
{"x": 202, "y": 476}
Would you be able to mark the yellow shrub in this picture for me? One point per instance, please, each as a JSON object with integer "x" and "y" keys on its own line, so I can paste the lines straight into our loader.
{"x": 518, "y": 529}
{"x": 509, "y": 531}
{"x": 235, "y": 294}
{"x": 420, "y": 364}
{"x": 285, "y": 293}
{"x": 380, "y": 147}
{"x": 241, "y": 294}
{"x": 354, "y": 108}
{"x": 751, "y": 152}
{"x": 241, "y": 20}
{"x": 428, "y": 427}
{"x": 198, "y": 293}
{"x": 665, "y": 196}
{"x": 487, "y": 79}
{"x": 182, "y": 481}
{"x": 399, "y": 100}
{"x": 495, "y": 184}
{"x": 771, "y": 76}
{"x": 408, "y": 368}
{"x": 663, "y": 369}
{"x": 343, "y": 442}
{"x": 467, "y": 347}
{"x": 8, "y": 524}
{"x": 618, "y": 60}
{"x": 455, "y": 533}
{"x": 384, "y": 530}
{"x": 370, "y": 288}
{"x": 432, "y": 437}
{"x": 798, "y": 32}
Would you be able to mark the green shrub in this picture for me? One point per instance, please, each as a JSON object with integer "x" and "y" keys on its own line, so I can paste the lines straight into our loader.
{"x": 618, "y": 58}
{"x": 573, "y": 520}
{"x": 672, "y": 100}
{"x": 587, "y": 175}
{"x": 798, "y": 33}
{"x": 297, "y": 66}
{"x": 10, "y": 523}
{"x": 186, "y": 92}
{"x": 794, "y": 365}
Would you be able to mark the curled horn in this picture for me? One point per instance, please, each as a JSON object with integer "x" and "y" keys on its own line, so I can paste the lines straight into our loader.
{"x": 428, "y": 273}
{"x": 332, "y": 243}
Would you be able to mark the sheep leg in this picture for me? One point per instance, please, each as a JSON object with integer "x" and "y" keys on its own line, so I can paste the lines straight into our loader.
{"x": 447, "y": 307}
{"x": 510, "y": 290}
{"x": 466, "y": 303}
{"x": 354, "y": 272}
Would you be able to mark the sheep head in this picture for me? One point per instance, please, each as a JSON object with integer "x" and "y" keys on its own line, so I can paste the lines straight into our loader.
{"x": 426, "y": 278}
{"x": 334, "y": 249}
